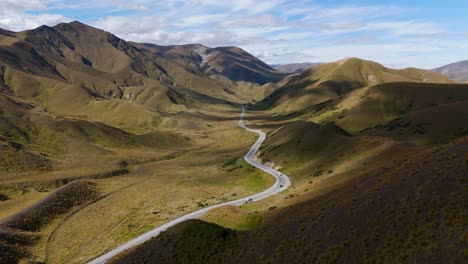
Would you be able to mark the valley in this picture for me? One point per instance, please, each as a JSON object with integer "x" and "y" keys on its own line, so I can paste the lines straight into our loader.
{"x": 104, "y": 141}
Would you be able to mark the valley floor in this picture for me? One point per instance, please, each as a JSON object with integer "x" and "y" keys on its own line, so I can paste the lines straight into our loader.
{"x": 149, "y": 187}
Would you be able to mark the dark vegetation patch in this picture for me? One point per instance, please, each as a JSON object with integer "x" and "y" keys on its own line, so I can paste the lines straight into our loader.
{"x": 70, "y": 196}
{"x": 436, "y": 125}
{"x": 46, "y": 185}
{"x": 14, "y": 245}
{"x": 3, "y": 197}
{"x": 13, "y": 158}
{"x": 231, "y": 165}
{"x": 193, "y": 241}
{"x": 20, "y": 232}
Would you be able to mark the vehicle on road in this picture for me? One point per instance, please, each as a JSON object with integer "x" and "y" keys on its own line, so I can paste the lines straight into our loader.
{"x": 249, "y": 200}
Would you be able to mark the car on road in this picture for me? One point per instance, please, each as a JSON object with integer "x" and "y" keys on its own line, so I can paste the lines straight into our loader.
{"x": 281, "y": 186}
{"x": 249, "y": 200}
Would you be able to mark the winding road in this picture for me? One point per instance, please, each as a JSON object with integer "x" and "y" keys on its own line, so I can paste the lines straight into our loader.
{"x": 281, "y": 184}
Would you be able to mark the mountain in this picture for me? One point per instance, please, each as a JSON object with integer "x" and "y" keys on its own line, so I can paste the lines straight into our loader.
{"x": 102, "y": 140}
{"x": 105, "y": 74}
{"x": 294, "y": 67}
{"x": 457, "y": 71}
{"x": 332, "y": 80}
{"x": 230, "y": 62}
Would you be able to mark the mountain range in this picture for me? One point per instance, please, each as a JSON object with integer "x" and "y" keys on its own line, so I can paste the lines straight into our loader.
{"x": 103, "y": 139}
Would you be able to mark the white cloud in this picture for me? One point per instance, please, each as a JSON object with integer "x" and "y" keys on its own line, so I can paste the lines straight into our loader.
{"x": 219, "y": 38}
{"x": 23, "y": 22}
{"x": 122, "y": 25}
{"x": 247, "y": 6}
{"x": 404, "y": 28}
{"x": 352, "y": 12}
{"x": 202, "y": 19}
{"x": 285, "y": 56}
{"x": 265, "y": 20}
{"x": 13, "y": 15}
{"x": 18, "y": 6}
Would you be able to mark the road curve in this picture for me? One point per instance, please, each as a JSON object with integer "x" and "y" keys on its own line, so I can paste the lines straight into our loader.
{"x": 282, "y": 182}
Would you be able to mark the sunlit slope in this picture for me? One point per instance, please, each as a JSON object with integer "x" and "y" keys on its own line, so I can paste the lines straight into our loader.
{"x": 34, "y": 140}
{"x": 376, "y": 105}
{"x": 401, "y": 213}
{"x": 232, "y": 63}
{"x": 76, "y": 70}
{"x": 332, "y": 80}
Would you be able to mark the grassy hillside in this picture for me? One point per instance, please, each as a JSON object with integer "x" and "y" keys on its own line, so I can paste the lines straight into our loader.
{"x": 436, "y": 125}
{"x": 126, "y": 170}
{"x": 332, "y": 80}
{"x": 412, "y": 211}
{"x": 102, "y": 140}
{"x": 377, "y": 105}
{"x": 76, "y": 70}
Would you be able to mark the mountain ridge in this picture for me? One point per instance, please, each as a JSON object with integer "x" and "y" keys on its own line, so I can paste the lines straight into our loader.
{"x": 458, "y": 71}
{"x": 331, "y": 80}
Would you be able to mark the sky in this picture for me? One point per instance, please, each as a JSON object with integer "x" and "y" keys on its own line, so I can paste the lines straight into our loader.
{"x": 401, "y": 33}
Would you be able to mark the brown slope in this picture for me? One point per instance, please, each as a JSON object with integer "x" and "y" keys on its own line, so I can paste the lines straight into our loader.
{"x": 376, "y": 105}
{"x": 457, "y": 71}
{"x": 331, "y": 80}
{"x": 33, "y": 140}
{"x": 414, "y": 211}
{"x": 239, "y": 65}
{"x": 107, "y": 77}
{"x": 234, "y": 63}
{"x": 435, "y": 125}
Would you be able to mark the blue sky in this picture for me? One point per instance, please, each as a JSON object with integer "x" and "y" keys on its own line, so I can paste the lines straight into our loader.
{"x": 399, "y": 34}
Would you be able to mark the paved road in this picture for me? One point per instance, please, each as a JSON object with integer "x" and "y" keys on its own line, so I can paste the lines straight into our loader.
{"x": 282, "y": 182}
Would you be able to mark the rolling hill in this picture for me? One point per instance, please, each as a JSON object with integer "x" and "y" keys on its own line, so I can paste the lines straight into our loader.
{"x": 400, "y": 213}
{"x": 332, "y": 80}
{"x": 376, "y": 105}
{"x": 457, "y": 71}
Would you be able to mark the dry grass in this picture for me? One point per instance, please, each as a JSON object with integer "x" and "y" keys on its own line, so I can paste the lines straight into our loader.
{"x": 131, "y": 204}
{"x": 332, "y": 80}
{"x": 413, "y": 211}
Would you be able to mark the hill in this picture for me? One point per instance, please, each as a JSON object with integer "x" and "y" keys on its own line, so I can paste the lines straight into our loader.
{"x": 457, "y": 71}
{"x": 400, "y": 213}
{"x": 331, "y": 80}
{"x": 102, "y": 140}
{"x": 376, "y": 105}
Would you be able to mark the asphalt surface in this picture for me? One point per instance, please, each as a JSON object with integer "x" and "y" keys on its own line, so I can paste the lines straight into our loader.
{"x": 281, "y": 184}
